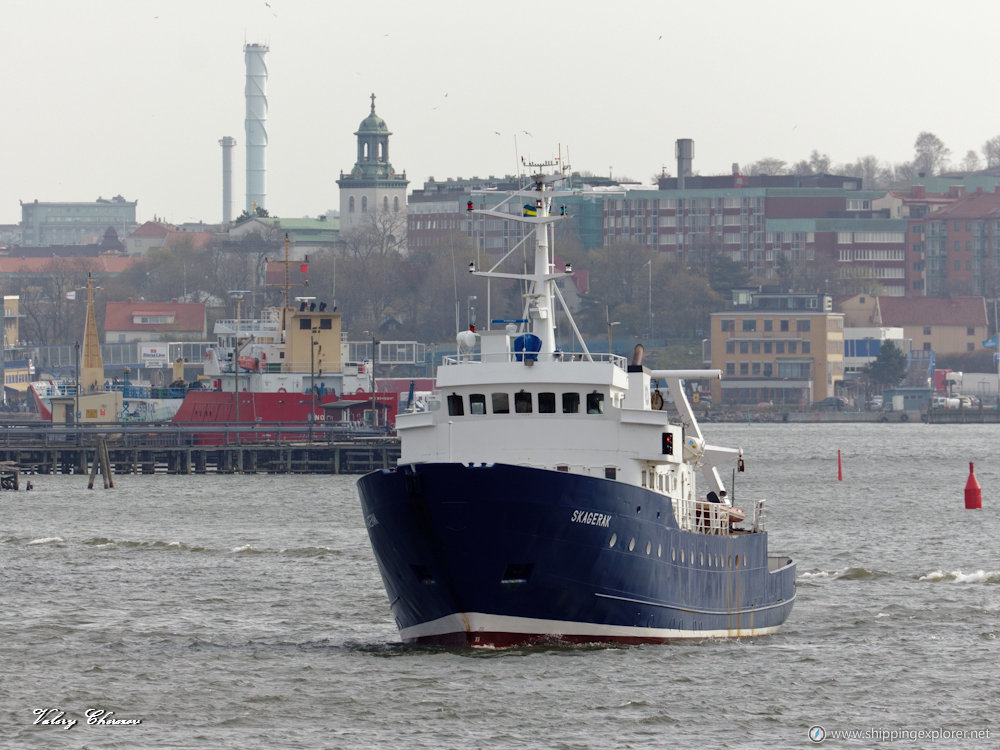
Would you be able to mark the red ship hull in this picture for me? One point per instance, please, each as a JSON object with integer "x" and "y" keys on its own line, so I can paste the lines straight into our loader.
{"x": 278, "y": 415}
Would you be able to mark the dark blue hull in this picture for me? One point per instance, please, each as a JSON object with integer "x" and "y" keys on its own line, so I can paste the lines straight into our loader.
{"x": 504, "y": 555}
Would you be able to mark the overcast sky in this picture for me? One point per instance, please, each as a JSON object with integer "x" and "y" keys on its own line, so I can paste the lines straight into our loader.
{"x": 130, "y": 97}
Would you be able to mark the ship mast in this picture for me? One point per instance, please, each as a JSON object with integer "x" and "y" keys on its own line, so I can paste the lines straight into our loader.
{"x": 286, "y": 285}
{"x": 541, "y": 295}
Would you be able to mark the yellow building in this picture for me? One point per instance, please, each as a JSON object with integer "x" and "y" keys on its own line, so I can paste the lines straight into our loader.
{"x": 946, "y": 325}
{"x": 777, "y": 348}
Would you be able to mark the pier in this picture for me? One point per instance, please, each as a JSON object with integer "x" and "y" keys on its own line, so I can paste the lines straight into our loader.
{"x": 276, "y": 448}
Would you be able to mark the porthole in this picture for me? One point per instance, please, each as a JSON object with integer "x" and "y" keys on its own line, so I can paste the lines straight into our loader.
{"x": 682, "y": 556}
{"x": 710, "y": 559}
{"x": 729, "y": 561}
{"x": 701, "y": 558}
{"x": 614, "y": 539}
{"x": 631, "y": 544}
{"x": 649, "y": 547}
{"x": 744, "y": 561}
{"x": 673, "y": 554}
{"x": 659, "y": 550}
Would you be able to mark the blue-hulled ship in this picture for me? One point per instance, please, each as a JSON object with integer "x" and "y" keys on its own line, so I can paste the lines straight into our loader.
{"x": 545, "y": 495}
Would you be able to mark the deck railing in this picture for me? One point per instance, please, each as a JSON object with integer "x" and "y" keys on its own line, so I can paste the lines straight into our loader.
{"x": 704, "y": 517}
{"x": 558, "y": 357}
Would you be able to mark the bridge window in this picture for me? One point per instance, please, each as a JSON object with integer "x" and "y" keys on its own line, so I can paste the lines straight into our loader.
{"x": 546, "y": 403}
{"x": 522, "y": 402}
{"x": 501, "y": 403}
{"x": 595, "y": 403}
{"x": 455, "y": 406}
{"x": 571, "y": 403}
{"x": 477, "y": 403}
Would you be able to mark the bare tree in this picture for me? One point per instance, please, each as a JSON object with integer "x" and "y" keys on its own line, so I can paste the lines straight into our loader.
{"x": 819, "y": 163}
{"x": 930, "y": 154}
{"x": 971, "y": 162}
{"x": 991, "y": 151}
{"x": 768, "y": 165}
{"x": 53, "y": 303}
{"x": 383, "y": 234}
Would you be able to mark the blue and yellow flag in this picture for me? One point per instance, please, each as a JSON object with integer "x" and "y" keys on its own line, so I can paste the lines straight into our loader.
{"x": 530, "y": 210}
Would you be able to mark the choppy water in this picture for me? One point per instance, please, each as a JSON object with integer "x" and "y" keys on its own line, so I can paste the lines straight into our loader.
{"x": 226, "y": 611}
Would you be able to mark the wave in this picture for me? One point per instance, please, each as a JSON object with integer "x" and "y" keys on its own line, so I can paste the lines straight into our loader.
{"x": 246, "y": 548}
{"x": 846, "y": 574}
{"x": 47, "y": 540}
{"x": 310, "y": 551}
{"x": 101, "y": 542}
{"x": 957, "y": 576}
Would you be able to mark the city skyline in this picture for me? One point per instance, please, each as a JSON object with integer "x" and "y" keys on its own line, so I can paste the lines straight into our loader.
{"x": 131, "y": 98}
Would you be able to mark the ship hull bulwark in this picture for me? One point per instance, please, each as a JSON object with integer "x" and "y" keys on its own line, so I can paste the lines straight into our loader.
{"x": 502, "y": 555}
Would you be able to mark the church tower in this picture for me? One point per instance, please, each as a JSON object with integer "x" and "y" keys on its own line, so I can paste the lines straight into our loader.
{"x": 372, "y": 194}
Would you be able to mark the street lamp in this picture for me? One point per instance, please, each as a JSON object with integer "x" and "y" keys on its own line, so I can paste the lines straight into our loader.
{"x": 650, "y": 298}
{"x": 607, "y": 317}
{"x": 76, "y": 390}
{"x": 237, "y": 294}
{"x": 312, "y": 381}
{"x": 374, "y": 383}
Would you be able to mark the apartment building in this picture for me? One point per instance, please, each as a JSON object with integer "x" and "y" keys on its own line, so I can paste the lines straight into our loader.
{"x": 779, "y": 348}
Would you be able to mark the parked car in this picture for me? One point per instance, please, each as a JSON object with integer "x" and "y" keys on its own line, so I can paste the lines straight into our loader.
{"x": 875, "y": 404}
{"x": 837, "y": 403}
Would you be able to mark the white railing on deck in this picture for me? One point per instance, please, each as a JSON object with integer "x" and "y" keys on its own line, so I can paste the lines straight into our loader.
{"x": 561, "y": 357}
{"x": 704, "y": 517}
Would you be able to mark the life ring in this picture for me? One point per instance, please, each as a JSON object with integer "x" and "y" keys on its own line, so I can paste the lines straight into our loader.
{"x": 360, "y": 390}
{"x": 281, "y": 390}
{"x": 656, "y": 402}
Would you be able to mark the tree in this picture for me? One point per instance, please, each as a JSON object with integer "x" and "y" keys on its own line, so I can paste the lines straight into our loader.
{"x": 725, "y": 274}
{"x": 873, "y": 173}
{"x": 49, "y": 318}
{"x": 889, "y": 366}
{"x": 931, "y": 155}
{"x": 819, "y": 163}
{"x": 971, "y": 162}
{"x": 383, "y": 233}
{"x": 258, "y": 212}
{"x": 991, "y": 151}
{"x": 768, "y": 165}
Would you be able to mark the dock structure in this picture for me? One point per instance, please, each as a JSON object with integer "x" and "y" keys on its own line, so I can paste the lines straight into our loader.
{"x": 173, "y": 450}
{"x": 9, "y": 476}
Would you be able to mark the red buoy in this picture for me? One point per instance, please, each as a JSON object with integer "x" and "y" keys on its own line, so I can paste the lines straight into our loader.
{"x": 973, "y": 494}
{"x": 840, "y": 470}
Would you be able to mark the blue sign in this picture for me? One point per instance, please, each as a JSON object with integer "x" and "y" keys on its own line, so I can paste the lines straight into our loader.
{"x": 991, "y": 343}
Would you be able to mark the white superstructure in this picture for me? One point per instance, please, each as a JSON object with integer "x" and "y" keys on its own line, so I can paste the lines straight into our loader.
{"x": 511, "y": 396}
